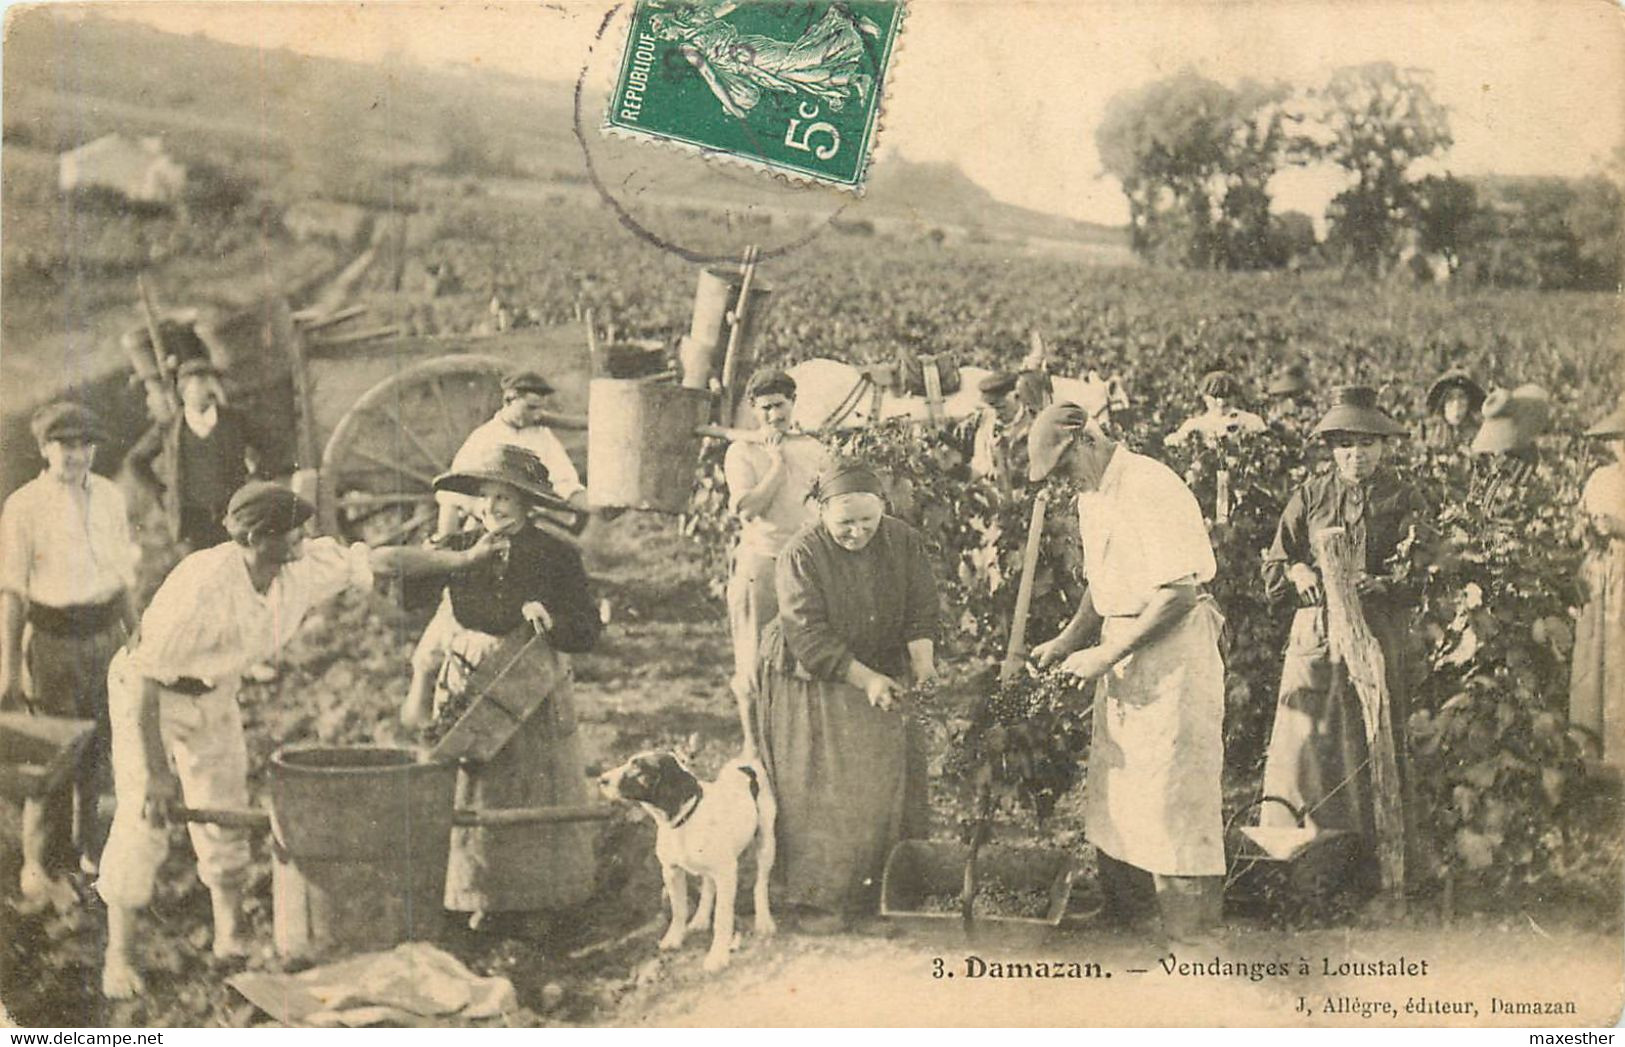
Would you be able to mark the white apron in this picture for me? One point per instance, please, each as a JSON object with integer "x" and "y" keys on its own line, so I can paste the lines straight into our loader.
{"x": 1158, "y": 751}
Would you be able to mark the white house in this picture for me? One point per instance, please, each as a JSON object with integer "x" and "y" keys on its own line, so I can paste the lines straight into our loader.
{"x": 137, "y": 168}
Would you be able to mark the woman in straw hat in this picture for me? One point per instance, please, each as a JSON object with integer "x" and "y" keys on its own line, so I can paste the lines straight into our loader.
{"x": 1597, "y": 682}
{"x": 539, "y": 588}
{"x": 857, "y": 621}
{"x": 1453, "y": 403}
{"x": 1504, "y": 452}
{"x": 1317, "y": 753}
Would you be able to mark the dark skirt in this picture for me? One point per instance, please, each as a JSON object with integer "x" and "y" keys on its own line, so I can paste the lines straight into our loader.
{"x": 1317, "y": 752}
{"x": 850, "y": 781}
{"x": 521, "y": 868}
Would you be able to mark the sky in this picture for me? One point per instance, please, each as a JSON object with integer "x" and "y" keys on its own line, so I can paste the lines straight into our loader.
{"x": 1012, "y": 90}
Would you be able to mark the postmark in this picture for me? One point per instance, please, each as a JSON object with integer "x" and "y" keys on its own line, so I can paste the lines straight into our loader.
{"x": 795, "y": 88}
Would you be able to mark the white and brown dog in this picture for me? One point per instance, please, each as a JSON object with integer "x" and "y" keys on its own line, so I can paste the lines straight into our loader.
{"x": 702, "y": 828}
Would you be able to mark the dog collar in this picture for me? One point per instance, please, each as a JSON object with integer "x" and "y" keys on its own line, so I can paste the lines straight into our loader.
{"x": 685, "y": 812}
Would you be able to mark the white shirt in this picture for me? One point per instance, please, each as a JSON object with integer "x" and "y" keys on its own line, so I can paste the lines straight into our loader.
{"x": 1141, "y": 530}
{"x": 1217, "y": 425}
{"x": 537, "y": 439}
{"x": 765, "y": 533}
{"x": 207, "y": 620}
{"x": 66, "y": 546}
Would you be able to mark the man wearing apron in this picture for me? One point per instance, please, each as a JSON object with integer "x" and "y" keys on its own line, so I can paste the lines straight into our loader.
{"x": 1153, "y": 803}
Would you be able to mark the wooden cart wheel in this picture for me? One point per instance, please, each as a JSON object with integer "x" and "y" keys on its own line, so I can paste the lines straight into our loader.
{"x": 377, "y": 473}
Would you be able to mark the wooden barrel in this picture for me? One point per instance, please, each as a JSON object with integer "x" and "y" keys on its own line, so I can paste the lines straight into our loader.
{"x": 361, "y": 838}
{"x": 641, "y": 446}
{"x": 714, "y": 296}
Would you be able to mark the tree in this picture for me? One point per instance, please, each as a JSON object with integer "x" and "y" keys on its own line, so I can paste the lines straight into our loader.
{"x": 1195, "y": 158}
{"x": 1445, "y": 215}
{"x": 1376, "y": 121}
{"x": 1594, "y": 219}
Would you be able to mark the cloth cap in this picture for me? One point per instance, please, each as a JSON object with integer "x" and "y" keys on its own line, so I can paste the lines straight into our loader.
{"x": 66, "y": 421}
{"x": 526, "y": 382}
{"x": 198, "y": 366}
{"x": 1354, "y": 410}
{"x": 998, "y": 383}
{"x": 846, "y": 476}
{"x": 1289, "y": 381}
{"x": 1611, "y": 424}
{"x": 261, "y": 507}
{"x": 1218, "y": 383}
{"x": 504, "y": 463}
{"x": 1052, "y": 432}
{"x": 770, "y": 381}
{"x": 1512, "y": 420}
{"x": 1456, "y": 379}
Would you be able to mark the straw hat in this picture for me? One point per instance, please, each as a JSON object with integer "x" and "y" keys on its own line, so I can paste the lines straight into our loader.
{"x": 1455, "y": 379}
{"x": 1354, "y": 410}
{"x": 1612, "y": 424}
{"x": 1512, "y": 420}
{"x": 504, "y": 463}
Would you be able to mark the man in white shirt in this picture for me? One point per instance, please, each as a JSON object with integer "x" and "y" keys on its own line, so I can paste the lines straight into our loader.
{"x": 176, "y": 727}
{"x": 768, "y": 483}
{"x": 1153, "y": 803}
{"x": 518, "y": 422}
{"x": 1219, "y": 420}
{"x": 67, "y": 573}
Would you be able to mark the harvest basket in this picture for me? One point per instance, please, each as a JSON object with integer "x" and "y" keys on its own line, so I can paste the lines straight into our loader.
{"x": 38, "y": 753}
{"x": 922, "y": 876}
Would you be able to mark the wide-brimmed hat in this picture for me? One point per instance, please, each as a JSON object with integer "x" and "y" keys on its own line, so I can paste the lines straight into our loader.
{"x": 1052, "y": 433}
{"x": 66, "y": 421}
{"x": 1611, "y": 424}
{"x": 1290, "y": 380}
{"x": 262, "y": 507}
{"x": 1456, "y": 379}
{"x": 1354, "y": 410}
{"x": 1512, "y": 420}
{"x": 504, "y": 463}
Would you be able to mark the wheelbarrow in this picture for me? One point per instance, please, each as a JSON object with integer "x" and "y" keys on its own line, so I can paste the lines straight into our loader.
{"x": 38, "y": 753}
{"x": 1276, "y": 866}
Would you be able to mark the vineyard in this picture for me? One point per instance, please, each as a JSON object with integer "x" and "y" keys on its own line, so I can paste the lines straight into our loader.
{"x": 1511, "y": 821}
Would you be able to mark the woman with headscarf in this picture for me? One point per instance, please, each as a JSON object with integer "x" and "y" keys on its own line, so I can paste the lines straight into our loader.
{"x": 1597, "y": 683}
{"x": 1453, "y": 403}
{"x": 857, "y": 623}
{"x": 1317, "y": 753}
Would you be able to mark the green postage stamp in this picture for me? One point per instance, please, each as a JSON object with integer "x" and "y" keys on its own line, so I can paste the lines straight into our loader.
{"x": 789, "y": 85}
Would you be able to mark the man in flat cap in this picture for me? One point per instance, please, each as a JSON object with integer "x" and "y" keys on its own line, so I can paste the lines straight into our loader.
{"x": 768, "y": 483}
{"x": 67, "y": 572}
{"x": 1158, "y": 747}
{"x": 519, "y": 422}
{"x": 193, "y": 461}
{"x": 999, "y": 449}
{"x": 176, "y": 728}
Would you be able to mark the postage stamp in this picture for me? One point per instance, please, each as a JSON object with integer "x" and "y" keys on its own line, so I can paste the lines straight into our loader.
{"x": 794, "y": 87}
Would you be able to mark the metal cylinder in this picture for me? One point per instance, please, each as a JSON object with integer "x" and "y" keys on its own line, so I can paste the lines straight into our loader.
{"x": 641, "y": 445}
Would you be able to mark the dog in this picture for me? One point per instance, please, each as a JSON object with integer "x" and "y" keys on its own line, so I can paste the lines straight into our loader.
{"x": 701, "y": 828}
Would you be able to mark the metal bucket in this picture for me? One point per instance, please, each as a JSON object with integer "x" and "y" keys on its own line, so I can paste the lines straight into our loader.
{"x": 641, "y": 446}
{"x": 361, "y": 838}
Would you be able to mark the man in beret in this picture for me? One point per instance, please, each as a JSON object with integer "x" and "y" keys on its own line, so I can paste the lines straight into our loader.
{"x": 519, "y": 422}
{"x": 768, "y": 482}
{"x": 67, "y": 572}
{"x": 195, "y": 460}
{"x": 1158, "y": 747}
{"x": 999, "y": 449}
{"x": 177, "y": 731}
